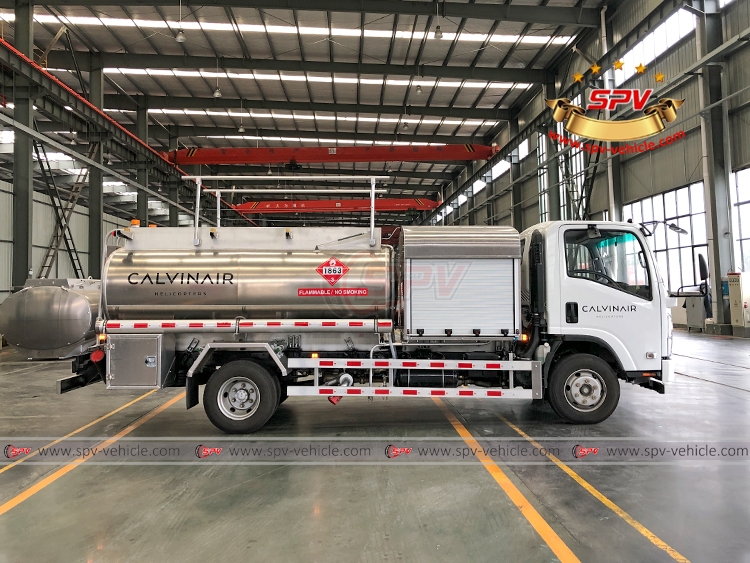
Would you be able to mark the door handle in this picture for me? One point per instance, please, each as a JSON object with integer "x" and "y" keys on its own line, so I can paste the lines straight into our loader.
{"x": 571, "y": 312}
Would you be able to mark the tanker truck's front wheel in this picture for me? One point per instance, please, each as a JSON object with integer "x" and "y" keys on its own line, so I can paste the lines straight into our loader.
{"x": 583, "y": 389}
{"x": 240, "y": 397}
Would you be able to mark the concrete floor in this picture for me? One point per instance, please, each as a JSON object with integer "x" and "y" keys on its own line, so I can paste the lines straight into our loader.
{"x": 105, "y": 513}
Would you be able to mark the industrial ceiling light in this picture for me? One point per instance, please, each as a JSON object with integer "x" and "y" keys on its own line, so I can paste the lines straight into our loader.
{"x": 180, "y": 37}
{"x": 438, "y": 33}
{"x": 419, "y": 88}
{"x": 241, "y": 129}
{"x": 677, "y": 229}
{"x": 671, "y": 226}
{"x": 217, "y": 92}
{"x": 405, "y": 125}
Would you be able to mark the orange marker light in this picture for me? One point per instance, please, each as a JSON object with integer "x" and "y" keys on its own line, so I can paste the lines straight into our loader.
{"x": 524, "y": 337}
{"x": 314, "y": 355}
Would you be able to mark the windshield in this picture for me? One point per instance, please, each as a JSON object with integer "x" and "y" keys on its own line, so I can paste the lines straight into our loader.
{"x": 608, "y": 257}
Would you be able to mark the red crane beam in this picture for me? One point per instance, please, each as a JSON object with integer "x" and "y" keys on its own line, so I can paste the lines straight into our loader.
{"x": 334, "y": 205}
{"x": 300, "y": 155}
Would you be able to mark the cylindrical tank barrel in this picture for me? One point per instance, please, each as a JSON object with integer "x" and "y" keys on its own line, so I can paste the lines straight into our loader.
{"x": 184, "y": 284}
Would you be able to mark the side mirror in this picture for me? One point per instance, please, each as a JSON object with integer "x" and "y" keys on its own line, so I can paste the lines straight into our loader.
{"x": 702, "y": 267}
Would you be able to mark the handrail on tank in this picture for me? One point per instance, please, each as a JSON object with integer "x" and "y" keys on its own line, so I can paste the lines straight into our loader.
{"x": 199, "y": 184}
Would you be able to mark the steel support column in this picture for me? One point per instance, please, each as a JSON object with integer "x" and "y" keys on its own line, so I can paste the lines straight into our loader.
{"x": 23, "y": 163}
{"x": 515, "y": 173}
{"x": 553, "y": 168}
{"x": 141, "y": 125}
{"x": 716, "y": 166}
{"x": 96, "y": 179}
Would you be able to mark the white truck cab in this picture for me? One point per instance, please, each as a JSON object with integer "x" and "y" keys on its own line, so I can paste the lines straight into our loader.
{"x": 592, "y": 293}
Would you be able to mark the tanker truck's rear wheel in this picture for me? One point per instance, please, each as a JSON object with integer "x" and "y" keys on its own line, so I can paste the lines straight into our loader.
{"x": 583, "y": 389}
{"x": 240, "y": 397}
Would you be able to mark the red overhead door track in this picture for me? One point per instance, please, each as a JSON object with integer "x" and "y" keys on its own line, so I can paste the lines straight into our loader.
{"x": 281, "y": 155}
{"x": 335, "y": 205}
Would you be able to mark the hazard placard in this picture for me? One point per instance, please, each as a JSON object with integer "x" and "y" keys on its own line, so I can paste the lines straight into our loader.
{"x": 332, "y": 270}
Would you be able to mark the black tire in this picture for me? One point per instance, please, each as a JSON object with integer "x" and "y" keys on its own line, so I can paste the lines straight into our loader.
{"x": 219, "y": 397}
{"x": 596, "y": 380}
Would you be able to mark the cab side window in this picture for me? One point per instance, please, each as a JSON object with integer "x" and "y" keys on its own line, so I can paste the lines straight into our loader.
{"x": 609, "y": 257}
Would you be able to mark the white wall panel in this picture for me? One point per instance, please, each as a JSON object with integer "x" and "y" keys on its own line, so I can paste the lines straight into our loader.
{"x": 663, "y": 169}
{"x": 6, "y": 266}
{"x": 600, "y": 191}
{"x": 630, "y": 14}
{"x": 501, "y": 210}
{"x": 6, "y": 211}
{"x": 736, "y": 18}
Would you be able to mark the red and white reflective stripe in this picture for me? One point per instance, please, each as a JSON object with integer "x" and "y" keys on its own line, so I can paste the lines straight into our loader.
{"x": 479, "y": 393}
{"x": 313, "y": 325}
{"x": 307, "y": 363}
{"x": 174, "y": 326}
{"x": 300, "y": 325}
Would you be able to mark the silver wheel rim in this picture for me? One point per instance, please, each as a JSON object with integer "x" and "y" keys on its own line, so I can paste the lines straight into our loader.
{"x": 238, "y": 398}
{"x": 585, "y": 390}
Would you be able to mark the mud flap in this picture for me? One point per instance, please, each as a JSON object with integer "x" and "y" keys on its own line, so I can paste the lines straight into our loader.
{"x": 191, "y": 392}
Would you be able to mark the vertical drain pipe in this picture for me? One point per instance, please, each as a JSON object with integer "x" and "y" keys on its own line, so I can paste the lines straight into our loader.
{"x": 608, "y": 83}
{"x": 372, "y": 212}
{"x": 198, "y": 188}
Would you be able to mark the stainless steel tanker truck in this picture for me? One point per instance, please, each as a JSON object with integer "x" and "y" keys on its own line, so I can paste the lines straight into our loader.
{"x": 255, "y": 315}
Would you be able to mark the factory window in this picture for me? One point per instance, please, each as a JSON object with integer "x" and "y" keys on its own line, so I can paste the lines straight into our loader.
{"x": 676, "y": 254}
{"x": 523, "y": 150}
{"x": 573, "y": 172}
{"x": 741, "y": 219}
{"x": 680, "y": 24}
{"x": 478, "y": 186}
{"x": 499, "y": 169}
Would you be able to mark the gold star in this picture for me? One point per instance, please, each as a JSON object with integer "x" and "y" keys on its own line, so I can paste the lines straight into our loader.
{"x": 659, "y": 77}
{"x": 618, "y": 65}
{"x": 595, "y": 68}
{"x": 640, "y": 68}
{"x": 578, "y": 77}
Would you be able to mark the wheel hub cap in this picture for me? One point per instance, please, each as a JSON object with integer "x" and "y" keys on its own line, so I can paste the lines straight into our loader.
{"x": 585, "y": 390}
{"x": 238, "y": 398}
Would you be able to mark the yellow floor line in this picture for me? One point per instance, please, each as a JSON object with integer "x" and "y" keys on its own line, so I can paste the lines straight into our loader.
{"x": 558, "y": 547}
{"x": 81, "y": 429}
{"x": 653, "y": 538}
{"x": 67, "y": 468}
